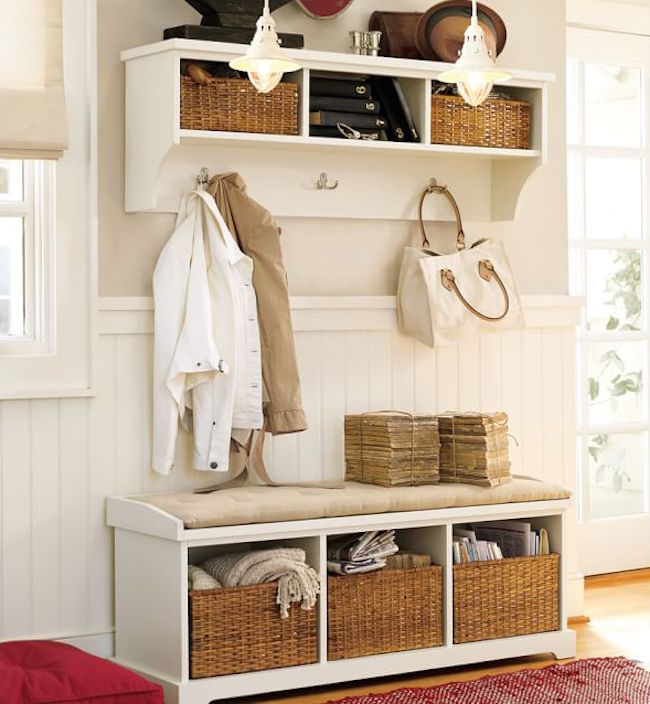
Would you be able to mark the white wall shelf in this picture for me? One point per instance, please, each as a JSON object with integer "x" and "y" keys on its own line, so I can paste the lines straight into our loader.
{"x": 162, "y": 159}
{"x": 152, "y": 625}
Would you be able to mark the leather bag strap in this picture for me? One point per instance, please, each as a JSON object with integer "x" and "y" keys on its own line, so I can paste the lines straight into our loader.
{"x": 433, "y": 187}
{"x": 487, "y": 272}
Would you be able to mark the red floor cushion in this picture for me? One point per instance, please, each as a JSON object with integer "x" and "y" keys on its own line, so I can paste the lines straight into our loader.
{"x": 46, "y": 672}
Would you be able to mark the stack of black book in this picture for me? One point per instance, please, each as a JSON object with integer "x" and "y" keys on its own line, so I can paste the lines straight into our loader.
{"x": 375, "y": 108}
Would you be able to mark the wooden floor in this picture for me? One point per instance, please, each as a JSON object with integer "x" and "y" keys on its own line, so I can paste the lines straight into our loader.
{"x": 619, "y": 609}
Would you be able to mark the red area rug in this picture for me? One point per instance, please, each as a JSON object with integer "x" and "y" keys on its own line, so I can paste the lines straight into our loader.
{"x": 595, "y": 681}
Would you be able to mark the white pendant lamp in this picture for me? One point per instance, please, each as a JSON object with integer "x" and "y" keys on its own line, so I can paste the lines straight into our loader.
{"x": 475, "y": 72}
{"x": 265, "y": 62}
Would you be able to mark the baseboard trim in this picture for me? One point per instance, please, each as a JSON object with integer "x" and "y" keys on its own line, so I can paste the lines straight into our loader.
{"x": 100, "y": 644}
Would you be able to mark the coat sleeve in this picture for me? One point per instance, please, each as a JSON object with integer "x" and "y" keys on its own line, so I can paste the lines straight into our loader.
{"x": 185, "y": 354}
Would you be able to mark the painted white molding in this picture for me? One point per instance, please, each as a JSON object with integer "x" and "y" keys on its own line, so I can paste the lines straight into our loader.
{"x": 134, "y": 315}
{"x": 625, "y": 16}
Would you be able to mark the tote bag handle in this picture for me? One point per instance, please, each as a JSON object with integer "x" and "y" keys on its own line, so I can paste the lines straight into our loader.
{"x": 487, "y": 272}
{"x": 433, "y": 187}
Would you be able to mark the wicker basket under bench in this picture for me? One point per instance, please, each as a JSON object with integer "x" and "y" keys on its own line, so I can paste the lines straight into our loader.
{"x": 239, "y": 629}
{"x": 384, "y": 612}
{"x": 504, "y": 598}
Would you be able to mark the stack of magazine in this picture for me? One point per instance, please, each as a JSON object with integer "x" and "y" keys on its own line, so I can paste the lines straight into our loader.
{"x": 361, "y": 553}
{"x": 474, "y": 448}
{"x": 391, "y": 449}
{"x": 498, "y": 539}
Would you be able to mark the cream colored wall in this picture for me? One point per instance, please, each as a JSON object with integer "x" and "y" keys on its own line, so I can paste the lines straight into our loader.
{"x": 334, "y": 256}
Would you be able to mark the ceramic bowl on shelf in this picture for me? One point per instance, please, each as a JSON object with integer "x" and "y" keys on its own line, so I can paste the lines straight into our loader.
{"x": 440, "y": 32}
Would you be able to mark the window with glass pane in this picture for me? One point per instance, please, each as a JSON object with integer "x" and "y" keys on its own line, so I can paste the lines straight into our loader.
{"x": 13, "y": 210}
{"x": 608, "y": 259}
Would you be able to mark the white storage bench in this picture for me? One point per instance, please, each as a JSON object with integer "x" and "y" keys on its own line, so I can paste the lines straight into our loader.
{"x": 156, "y": 537}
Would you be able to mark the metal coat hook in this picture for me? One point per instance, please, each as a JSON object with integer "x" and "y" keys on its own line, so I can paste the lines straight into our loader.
{"x": 203, "y": 178}
{"x": 323, "y": 183}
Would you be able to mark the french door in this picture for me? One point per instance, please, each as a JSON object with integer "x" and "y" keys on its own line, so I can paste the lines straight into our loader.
{"x": 608, "y": 134}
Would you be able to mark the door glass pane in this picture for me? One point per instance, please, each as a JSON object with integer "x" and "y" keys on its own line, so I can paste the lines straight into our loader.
{"x": 575, "y": 196}
{"x": 612, "y": 105}
{"x": 616, "y": 474}
{"x": 11, "y": 276}
{"x": 614, "y": 290}
{"x": 613, "y": 195}
{"x": 11, "y": 180}
{"x": 616, "y": 378}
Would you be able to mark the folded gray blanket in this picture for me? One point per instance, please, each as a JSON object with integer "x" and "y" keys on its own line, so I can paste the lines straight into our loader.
{"x": 297, "y": 581}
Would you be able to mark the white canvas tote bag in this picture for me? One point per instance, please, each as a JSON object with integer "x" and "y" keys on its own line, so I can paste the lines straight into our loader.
{"x": 445, "y": 298}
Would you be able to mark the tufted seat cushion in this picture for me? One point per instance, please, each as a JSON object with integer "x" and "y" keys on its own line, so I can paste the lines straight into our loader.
{"x": 263, "y": 504}
{"x": 47, "y": 672}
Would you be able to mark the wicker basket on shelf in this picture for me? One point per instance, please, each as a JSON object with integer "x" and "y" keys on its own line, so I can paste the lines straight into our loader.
{"x": 239, "y": 629}
{"x": 495, "y": 123}
{"x": 234, "y": 105}
{"x": 504, "y": 598}
{"x": 384, "y": 612}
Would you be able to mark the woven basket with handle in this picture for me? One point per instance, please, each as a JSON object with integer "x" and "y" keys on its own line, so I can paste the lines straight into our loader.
{"x": 234, "y": 105}
{"x": 500, "y": 123}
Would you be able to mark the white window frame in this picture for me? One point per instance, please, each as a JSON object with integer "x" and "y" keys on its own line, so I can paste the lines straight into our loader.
{"x": 39, "y": 286}
{"x": 66, "y": 368}
{"x": 614, "y": 530}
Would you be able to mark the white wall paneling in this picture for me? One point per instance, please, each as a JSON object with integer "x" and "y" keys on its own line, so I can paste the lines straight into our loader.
{"x": 60, "y": 458}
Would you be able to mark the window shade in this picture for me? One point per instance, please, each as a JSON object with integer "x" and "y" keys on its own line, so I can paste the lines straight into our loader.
{"x": 32, "y": 100}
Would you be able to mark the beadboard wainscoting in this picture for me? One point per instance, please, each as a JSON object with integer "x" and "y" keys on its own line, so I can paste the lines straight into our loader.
{"x": 61, "y": 458}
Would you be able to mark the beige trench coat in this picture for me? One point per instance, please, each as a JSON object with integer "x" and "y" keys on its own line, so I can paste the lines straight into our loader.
{"x": 258, "y": 235}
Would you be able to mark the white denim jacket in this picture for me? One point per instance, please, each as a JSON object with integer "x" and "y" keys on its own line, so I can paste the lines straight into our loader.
{"x": 207, "y": 368}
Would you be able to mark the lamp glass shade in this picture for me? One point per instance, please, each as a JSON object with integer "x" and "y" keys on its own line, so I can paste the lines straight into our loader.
{"x": 265, "y": 62}
{"x": 475, "y": 72}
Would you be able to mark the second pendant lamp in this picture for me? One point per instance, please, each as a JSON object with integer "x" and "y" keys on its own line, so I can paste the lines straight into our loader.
{"x": 475, "y": 72}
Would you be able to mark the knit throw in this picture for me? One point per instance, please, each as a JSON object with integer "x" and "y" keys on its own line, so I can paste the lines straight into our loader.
{"x": 297, "y": 581}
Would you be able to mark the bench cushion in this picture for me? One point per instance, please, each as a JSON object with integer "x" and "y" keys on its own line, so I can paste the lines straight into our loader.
{"x": 47, "y": 672}
{"x": 265, "y": 504}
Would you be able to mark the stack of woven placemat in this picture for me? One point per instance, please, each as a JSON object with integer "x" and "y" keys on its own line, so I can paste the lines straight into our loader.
{"x": 474, "y": 448}
{"x": 392, "y": 449}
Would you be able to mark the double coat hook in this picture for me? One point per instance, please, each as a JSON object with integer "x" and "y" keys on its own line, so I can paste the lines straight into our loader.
{"x": 323, "y": 183}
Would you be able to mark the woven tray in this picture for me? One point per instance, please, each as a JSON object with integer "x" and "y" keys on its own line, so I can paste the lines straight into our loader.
{"x": 495, "y": 123}
{"x": 504, "y": 598}
{"x": 384, "y": 612}
{"x": 240, "y": 630}
{"x": 234, "y": 105}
